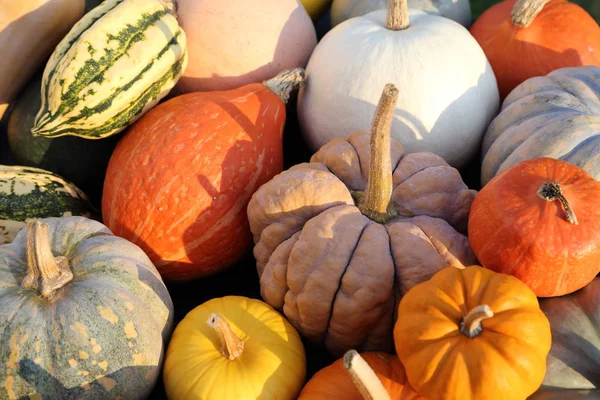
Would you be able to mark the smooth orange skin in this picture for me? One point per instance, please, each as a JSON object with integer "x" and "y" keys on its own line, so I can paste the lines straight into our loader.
{"x": 562, "y": 35}
{"x": 179, "y": 182}
{"x": 506, "y": 361}
{"x": 333, "y": 382}
{"x": 513, "y": 231}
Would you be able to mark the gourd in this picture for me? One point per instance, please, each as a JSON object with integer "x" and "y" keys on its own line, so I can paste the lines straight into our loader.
{"x": 316, "y": 8}
{"x": 539, "y": 221}
{"x": 444, "y": 110}
{"x": 457, "y": 10}
{"x": 371, "y": 375}
{"x": 76, "y": 159}
{"x": 179, "y": 181}
{"x": 85, "y": 314}
{"x": 556, "y": 116}
{"x": 548, "y": 34}
{"x": 29, "y": 30}
{"x": 340, "y": 239}
{"x": 31, "y": 193}
{"x": 481, "y": 334}
{"x": 574, "y": 359}
{"x": 232, "y": 43}
{"x": 114, "y": 65}
{"x": 234, "y": 348}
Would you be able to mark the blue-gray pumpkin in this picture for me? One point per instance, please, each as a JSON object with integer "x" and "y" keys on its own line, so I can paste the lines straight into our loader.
{"x": 557, "y": 116}
{"x": 85, "y": 314}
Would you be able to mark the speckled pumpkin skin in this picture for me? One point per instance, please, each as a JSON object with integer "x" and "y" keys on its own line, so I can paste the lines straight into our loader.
{"x": 101, "y": 337}
{"x": 336, "y": 274}
{"x": 556, "y": 116}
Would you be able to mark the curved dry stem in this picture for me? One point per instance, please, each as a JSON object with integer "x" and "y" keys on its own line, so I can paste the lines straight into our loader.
{"x": 397, "y": 15}
{"x": 551, "y": 191}
{"x": 525, "y": 11}
{"x": 363, "y": 376}
{"x": 286, "y": 83}
{"x": 470, "y": 326}
{"x": 231, "y": 345}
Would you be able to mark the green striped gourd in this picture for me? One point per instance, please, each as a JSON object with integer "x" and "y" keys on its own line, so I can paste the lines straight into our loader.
{"x": 30, "y": 193}
{"x": 114, "y": 65}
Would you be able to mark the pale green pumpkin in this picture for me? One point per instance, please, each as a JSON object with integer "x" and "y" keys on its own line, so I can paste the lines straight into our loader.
{"x": 85, "y": 315}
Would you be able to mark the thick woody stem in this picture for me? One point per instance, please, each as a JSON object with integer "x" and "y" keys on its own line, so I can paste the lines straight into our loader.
{"x": 397, "y": 15}
{"x": 376, "y": 198}
{"x": 525, "y": 11}
{"x": 45, "y": 273}
{"x": 287, "y": 82}
{"x": 551, "y": 191}
{"x": 231, "y": 346}
{"x": 367, "y": 383}
{"x": 470, "y": 326}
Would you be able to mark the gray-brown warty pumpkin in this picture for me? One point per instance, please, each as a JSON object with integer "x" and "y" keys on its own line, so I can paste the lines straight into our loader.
{"x": 556, "y": 116}
{"x": 340, "y": 240}
{"x": 85, "y": 315}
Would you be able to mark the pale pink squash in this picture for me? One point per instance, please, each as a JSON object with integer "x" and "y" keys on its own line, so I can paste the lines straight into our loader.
{"x": 232, "y": 43}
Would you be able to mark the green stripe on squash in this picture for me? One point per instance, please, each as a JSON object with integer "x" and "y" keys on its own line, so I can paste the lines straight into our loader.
{"x": 77, "y": 97}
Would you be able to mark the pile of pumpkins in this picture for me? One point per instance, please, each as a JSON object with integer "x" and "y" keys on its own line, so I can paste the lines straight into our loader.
{"x": 146, "y": 146}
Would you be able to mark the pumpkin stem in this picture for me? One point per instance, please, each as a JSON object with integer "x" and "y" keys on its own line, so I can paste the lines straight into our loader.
{"x": 231, "y": 345}
{"x": 525, "y": 11}
{"x": 375, "y": 200}
{"x": 45, "y": 273}
{"x": 551, "y": 191}
{"x": 368, "y": 384}
{"x": 287, "y": 82}
{"x": 470, "y": 326}
{"x": 397, "y": 15}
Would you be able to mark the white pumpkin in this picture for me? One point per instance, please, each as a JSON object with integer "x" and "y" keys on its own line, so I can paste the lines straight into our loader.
{"x": 448, "y": 91}
{"x": 457, "y": 10}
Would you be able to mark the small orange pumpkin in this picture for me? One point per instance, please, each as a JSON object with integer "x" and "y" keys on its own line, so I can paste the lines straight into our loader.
{"x": 472, "y": 334}
{"x": 528, "y": 38}
{"x": 370, "y": 375}
{"x": 539, "y": 221}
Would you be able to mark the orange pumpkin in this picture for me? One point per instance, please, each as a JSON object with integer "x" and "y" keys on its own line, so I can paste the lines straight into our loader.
{"x": 472, "y": 334}
{"x": 528, "y": 38}
{"x": 178, "y": 183}
{"x": 539, "y": 221}
{"x": 349, "y": 377}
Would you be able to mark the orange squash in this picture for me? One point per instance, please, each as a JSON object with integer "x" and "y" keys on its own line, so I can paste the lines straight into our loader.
{"x": 539, "y": 221}
{"x": 349, "y": 377}
{"x": 179, "y": 181}
{"x": 528, "y": 38}
{"x": 472, "y": 334}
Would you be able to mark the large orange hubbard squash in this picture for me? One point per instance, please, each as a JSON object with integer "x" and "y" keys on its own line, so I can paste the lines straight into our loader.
{"x": 527, "y": 38}
{"x": 179, "y": 182}
{"x": 539, "y": 221}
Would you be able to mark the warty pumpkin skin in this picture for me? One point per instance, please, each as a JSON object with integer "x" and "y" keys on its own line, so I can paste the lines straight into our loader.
{"x": 527, "y": 38}
{"x": 574, "y": 359}
{"x": 234, "y": 348}
{"x": 457, "y": 10}
{"x": 443, "y": 110}
{"x": 472, "y": 334}
{"x": 179, "y": 182}
{"x": 540, "y": 222}
{"x": 84, "y": 314}
{"x": 334, "y": 271}
{"x": 556, "y": 116}
{"x": 337, "y": 381}
{"x": 29, "y": 31}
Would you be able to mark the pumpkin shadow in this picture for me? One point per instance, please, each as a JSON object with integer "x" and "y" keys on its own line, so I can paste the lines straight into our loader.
{"x": 587, "y": 354}
{"x": 279, "y": 62}
{"x": 49, "y": 388}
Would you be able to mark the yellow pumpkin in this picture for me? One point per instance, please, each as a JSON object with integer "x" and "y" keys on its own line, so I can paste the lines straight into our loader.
{"x": 316, "y": 8}
{"x": 234, "y": 348}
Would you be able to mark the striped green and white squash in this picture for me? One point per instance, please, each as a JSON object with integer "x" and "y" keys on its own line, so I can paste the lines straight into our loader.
{"x": 29, "y": 193}
{"x": 85, "y": 314}
{"x": 114, "y": 65}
